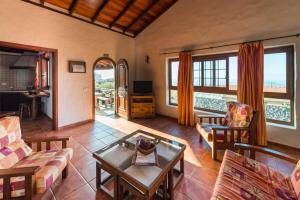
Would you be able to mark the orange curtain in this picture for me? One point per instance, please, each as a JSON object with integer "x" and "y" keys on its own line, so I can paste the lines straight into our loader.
{"x": 251, "y": 82}
{"x": 37, "y": 75}
{"x": 185, "y": 90}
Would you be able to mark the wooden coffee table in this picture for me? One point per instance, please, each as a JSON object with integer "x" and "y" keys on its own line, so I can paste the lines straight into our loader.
{"x": 116, "y": 158}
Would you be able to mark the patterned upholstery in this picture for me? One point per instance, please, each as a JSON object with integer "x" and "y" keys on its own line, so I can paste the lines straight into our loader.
{"x": 52, "y": 164}
{"x": 295, "y": 178}
{"x": 205, "y": 130}
{"x": 13, "y": 153}
{"x": 10, "y": 130}
{"x": 17, "y": 185}
{"x": 238, "y": 115}
{"x": 244, "y": 178}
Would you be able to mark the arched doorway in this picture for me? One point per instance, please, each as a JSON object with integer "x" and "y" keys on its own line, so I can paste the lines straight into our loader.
{"x": 104, "y": 85}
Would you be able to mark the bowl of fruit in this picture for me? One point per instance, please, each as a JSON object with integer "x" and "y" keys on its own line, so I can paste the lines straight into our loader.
{"x": 146, "y": 146}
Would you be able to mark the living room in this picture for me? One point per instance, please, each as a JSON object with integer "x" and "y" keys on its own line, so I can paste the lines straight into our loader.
{"x": 196, "y": 56}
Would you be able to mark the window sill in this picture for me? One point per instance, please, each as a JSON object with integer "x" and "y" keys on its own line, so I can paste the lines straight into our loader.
{"x": 173, "y": 106}
{"x": 282, "y": 125}
{"x": 198, "y": 111}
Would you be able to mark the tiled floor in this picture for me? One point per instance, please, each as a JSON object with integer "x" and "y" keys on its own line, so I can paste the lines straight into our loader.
{"x": 200, "y": 170}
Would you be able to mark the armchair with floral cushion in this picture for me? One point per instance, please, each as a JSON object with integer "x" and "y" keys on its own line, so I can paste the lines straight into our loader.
{"x": 24, "y": 172}
{"x": 238, "y": 125}
{"x": 243, "y": 178}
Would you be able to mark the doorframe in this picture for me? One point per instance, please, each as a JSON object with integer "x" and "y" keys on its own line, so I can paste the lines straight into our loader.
{"x": 54, "y": 74}
{"x": 93, "y": 84}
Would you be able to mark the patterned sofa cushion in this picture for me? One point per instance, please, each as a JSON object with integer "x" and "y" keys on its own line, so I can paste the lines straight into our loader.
{"x": 206, "y": 131}
{"x": 13, "y": 153}
{"x": 52, "y": 163}
{"x": 10, "y": 130}
{"x": 243, "y": 178}
{"x": 295, "y": 178}
{"x": 17, "y": 186}
{"x": 238, "y": 115}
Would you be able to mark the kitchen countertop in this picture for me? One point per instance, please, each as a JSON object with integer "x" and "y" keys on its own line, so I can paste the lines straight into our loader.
{"x": 12, "y": 91}
{"x": 26, "y": 93}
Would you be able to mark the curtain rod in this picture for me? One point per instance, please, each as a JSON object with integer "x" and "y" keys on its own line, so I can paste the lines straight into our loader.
{"x": 233, "y": 44}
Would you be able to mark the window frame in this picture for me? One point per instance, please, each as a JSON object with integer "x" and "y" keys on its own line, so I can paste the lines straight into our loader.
{"x": 46, "y": 73}
{"x": 290, "y": 68}
{"x": 170, "y": 79}
{"x": 214, "y": 89}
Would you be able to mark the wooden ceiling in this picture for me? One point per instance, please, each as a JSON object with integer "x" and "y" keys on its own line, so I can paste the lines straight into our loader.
{"x": 128, "y": 17}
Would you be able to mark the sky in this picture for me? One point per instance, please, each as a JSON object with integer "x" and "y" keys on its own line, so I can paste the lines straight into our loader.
{"x": 274, "y": 69}
{"x": 105, "y": 74}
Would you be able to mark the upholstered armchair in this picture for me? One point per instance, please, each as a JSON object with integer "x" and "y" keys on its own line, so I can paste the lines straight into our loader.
{"x": 238, "y": 125}
{"x": 23, "y": 171}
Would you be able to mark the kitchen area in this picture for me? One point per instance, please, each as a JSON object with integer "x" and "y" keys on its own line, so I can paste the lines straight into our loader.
{"x": 26, "y": 84}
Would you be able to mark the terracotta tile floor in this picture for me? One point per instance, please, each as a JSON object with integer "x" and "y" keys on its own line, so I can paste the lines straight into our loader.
{"x": 200, "y": 170}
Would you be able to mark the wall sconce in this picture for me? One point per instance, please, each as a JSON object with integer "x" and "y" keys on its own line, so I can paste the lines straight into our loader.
{"x": 147, "y": 59}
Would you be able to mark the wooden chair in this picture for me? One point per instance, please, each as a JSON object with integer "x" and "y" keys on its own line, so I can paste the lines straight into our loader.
{"x": 27, "y": 164}
{"x": 24, "y": 107}
{"x": 221, "y": 136}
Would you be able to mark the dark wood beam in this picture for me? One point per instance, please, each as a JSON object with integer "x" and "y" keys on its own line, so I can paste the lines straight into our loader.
{"x": 141, "y": 15}
{"x": 73, "y": 6}
{"x": 121, "y": 13}
{"x": 75, "y": 17}
{"x": 157, "y": 16}
{"x": 101, "y": 7}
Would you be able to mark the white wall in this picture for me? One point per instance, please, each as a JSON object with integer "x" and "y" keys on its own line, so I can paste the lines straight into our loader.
{"x": 24, "y": 23}
{"x": 201, "y": 23}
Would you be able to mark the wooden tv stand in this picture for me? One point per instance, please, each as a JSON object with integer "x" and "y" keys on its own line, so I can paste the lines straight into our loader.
{"x": 142, "y": 106}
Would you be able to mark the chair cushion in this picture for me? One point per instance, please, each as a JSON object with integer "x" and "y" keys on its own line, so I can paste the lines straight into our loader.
{"x": 144, "y": 174}
{"x": 167, "y": 151}
{"x": 17, "y": 185}
{"x": 10, "y": 130}
{"x": 238, "y": 115}
{"x": 118, "y": 156}
{"x": 295, "y": 178}
{"x": 243, "y": 178}
{"x": 52, "y": 163}
{"x": 206, "y": 132}
{"x": 13, "y": 153}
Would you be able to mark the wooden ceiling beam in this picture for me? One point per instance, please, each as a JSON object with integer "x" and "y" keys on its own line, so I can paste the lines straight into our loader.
{"x": 157, "y": 16}
{"x": 99, "y": 10}
{"x": 73, "y": 6}
{"x": 141, "y": 15}
{"x": 130, "y": 2}
{"x": 74, "y": 17}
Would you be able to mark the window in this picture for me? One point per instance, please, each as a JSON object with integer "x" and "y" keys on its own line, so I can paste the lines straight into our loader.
{"x": 45, "y": 72}
{"x": 173, "y": 80}
{"x": 215, "y": 82}
{"x": 44, "y": 62}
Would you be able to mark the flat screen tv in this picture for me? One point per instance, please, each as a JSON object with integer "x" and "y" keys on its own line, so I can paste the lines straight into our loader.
{"x": 142, "y": 87}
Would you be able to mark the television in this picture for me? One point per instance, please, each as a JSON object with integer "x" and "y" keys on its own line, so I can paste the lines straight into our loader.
{"x": 142, "y": 87}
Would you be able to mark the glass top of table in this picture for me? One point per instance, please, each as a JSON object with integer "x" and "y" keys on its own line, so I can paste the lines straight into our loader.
{"x": 118, "y": 156}
{"x": 164, "y": 146}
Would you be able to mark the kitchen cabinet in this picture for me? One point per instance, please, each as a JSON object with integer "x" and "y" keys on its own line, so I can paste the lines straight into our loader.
{"x": 9, "y": 101}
